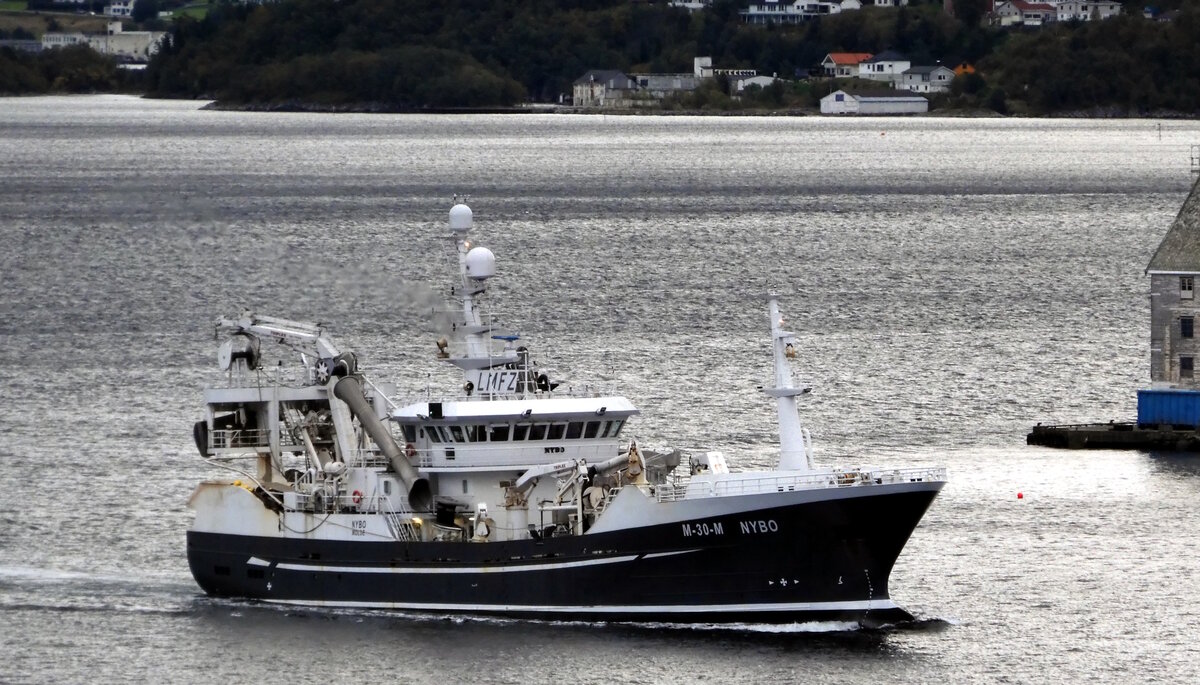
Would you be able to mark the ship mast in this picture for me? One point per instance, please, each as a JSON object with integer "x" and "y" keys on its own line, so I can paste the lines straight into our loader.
{"x": 795, "y": 446}
{"x": 477, "y": 355}
{"x": 474, "y": 267}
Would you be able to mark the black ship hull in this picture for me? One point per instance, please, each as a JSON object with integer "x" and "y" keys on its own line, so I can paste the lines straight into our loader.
{"x": 827, "y": 559}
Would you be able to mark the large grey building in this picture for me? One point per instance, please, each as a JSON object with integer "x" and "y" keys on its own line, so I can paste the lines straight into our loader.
{"x": 1174, "y": 272}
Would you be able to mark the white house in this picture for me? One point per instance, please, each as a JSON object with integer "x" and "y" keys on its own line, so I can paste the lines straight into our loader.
{"x": 926, "y": 79}
{"x": 120, "y": 8}
{"x": 881, "y": 102}
{"x": 1085, "y": 10}
{"x": 1020, "y": 13}
{"x": 702, "y": 67}
{"x": 783, "y": 12}
{"x": 888, "y": 65}
{"x": 691, "y": 5}
{"x": 134, "y": 46}
{"x": 843, "y": 64}
{"x": 56, "y": 39}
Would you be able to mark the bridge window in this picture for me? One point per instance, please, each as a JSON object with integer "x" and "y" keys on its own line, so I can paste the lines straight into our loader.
{"x": 520, "y": 431}
{"x": 499, "y": 432}
{"x": 614, "y": 427}
{"x": 593, "y": 427}
{"x": 574, "y": 430}
{"x": 537, "y": 431}
{"x": 556, "y": 431}
{"x": 456, "y": 434}
{"x": 433, "y": 435}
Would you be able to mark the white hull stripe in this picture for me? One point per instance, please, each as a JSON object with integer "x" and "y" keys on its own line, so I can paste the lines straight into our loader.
{"x": 668, "y": 554}
{"x": 255, "y": 561}
{"x": 853, "y": 605}
{"x": 405, "y": 570}
{"x": 424, "y": 570}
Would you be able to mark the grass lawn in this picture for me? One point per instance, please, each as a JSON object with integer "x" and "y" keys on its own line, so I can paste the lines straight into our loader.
{"x": 38, "y": 23}
{"x": 12, "y": 5}
{"x": 195, "y": 10}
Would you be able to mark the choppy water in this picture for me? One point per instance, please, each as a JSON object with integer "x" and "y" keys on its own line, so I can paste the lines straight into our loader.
{"x": 952, "y": 281}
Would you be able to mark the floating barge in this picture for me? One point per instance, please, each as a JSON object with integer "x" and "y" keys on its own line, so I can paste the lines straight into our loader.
{"x": 1116, "y": 436}
{"x": 1168, "y": 420}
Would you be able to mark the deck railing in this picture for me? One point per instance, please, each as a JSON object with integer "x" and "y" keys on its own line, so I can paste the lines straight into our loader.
{"x": 785, "y": 483}
{"x": 239, "y": 438}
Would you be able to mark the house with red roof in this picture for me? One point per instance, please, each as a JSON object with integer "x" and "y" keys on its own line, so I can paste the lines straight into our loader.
{"x": 842, "y": 64}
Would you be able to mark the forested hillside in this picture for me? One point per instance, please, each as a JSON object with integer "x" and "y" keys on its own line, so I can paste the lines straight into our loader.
{"x": 474, "y": 53}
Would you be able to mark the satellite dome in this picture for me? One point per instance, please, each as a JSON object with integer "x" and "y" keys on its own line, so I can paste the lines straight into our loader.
{"x": 481, "y": 263}
{"x": 460, "y": 218}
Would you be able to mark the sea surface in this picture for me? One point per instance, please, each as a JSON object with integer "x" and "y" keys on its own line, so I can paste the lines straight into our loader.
{"x": 951, "y": 281}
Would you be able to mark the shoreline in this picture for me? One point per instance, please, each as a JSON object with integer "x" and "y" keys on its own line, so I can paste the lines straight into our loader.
{"x": 549, "y": 108}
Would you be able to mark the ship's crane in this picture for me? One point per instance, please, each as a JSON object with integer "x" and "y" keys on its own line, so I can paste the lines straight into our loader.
{"x": 338, "y": 372}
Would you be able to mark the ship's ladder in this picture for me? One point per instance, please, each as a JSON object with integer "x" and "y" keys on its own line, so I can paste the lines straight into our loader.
{"x": 608, "y": 498}
{"x": 401, "y": 528}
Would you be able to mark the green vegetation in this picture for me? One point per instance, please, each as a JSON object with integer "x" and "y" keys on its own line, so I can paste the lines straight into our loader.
{"x": 410, "y": 54}
{"x": 1124, "y": 64}
{"x": 193, "y": 11}
{"x": 12, "y": 5}
{"x": 75, "y": 69}
{"x": 471, "y": 53}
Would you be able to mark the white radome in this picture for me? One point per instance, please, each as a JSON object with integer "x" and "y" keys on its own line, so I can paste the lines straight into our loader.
{"x": 460, "y": 218}
{"x": 481, "y": 264}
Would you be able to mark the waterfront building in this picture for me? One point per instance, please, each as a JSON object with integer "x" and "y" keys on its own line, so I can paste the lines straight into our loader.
{"x": 1174, "y": 272}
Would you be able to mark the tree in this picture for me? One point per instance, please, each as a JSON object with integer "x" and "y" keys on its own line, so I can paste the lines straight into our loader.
{"x": 970, "y": 12}
{"x": 144, "y": 10}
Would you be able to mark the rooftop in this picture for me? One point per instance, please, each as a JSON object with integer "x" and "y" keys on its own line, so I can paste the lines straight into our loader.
{"x": 1180, "y": 247}
{"x": 848, "y": 57}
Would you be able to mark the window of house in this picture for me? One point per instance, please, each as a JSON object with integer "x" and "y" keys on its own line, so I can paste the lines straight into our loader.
{"x": 838, "y": 97}
{"x": 1187, "y": 285}
{"x": 1186, "y": 367}
{"x": 1186, "y": 324}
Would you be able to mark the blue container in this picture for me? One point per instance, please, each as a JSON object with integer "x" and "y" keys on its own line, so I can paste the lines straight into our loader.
{"x": 1171, "y": 407}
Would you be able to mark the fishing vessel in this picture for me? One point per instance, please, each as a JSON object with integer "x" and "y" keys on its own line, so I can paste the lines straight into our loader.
{"x": 520, "y": 497}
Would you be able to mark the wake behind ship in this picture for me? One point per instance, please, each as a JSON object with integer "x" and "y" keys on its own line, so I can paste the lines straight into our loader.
{"x": 518, "y": 497}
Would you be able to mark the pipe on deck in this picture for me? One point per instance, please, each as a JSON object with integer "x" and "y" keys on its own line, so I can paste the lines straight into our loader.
{"x": 349, "y": 390}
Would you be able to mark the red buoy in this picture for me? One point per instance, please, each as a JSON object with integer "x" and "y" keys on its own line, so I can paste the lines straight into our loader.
{"x": 1020, "y": 495}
